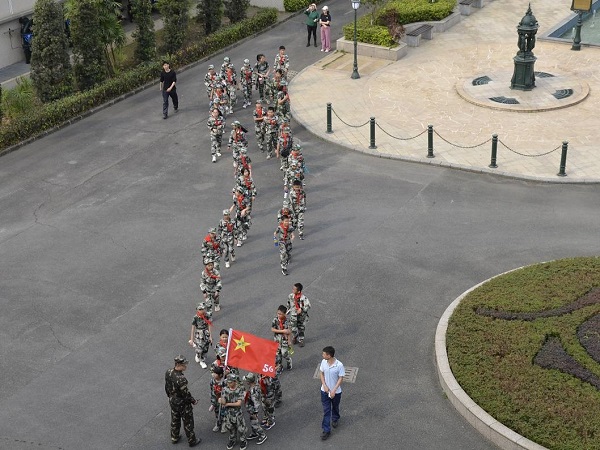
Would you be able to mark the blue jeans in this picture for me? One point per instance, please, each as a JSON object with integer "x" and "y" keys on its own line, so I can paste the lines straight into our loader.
{"x": 331, "y": 410}
{"x": 166, "y": 95}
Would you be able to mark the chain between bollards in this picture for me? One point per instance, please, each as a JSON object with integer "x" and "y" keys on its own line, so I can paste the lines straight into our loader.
{"x": 430, "y": 141}
{"x": 372, "y": 134}
{"x": 563, "y": 159}
{"x": 493, "y": 164}
{"x": 329, "y": 130}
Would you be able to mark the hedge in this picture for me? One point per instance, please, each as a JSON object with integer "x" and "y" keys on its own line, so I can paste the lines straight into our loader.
{"x": 405, "y": 11}
{"x": 57, "y": 112}
{"x": 296, "y": 5}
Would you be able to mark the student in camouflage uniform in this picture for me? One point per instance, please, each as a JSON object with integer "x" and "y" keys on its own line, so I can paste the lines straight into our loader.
{"x": 282, "y": 62}
{"x": 210, "y": 79}
{"x": 242, "y": 202}
{"x": 286, "y": 211}
{"x": 296, "y": 155}
{"x": 285, "y": 142}
{"x": 245, "y": 180}
{"x": 283, "y": 336}
{"x": 237, "y": 139}
{"x": 272, "y": 87}
{"x": 211, "y": 248}
{"x": 253, "y": 402}
{"x": 259, "y": 125}
{"x": 211, "y": 288}
{"x": 261, "y": 75}
{"x": 282, "y": 103}
{"x": 246, "y": 74}
{"x": 243, "y": 162}
{"x": 224, "y": 66}
{"x": 231, "y": 399}
{"x": 201, "y": 334}
{"x": 220, "y": 362}
{"x": 298, "y": 306}
{"x": 227, "y": 232}
{"x": 216, "y": 125}
{"x": 223, "y": 339}
{"x": 298, "y": 204}
{"x": 230, "y": 86}
{"x": 220, "y": 99}
{"x": 268, "y": 391}
{"x": 181, "y": 402}
{"x": 217, "y": 383}
{"x": 292, "y": 174}
{"x": 283, "y": 237}
{"x": 271, "y": 130}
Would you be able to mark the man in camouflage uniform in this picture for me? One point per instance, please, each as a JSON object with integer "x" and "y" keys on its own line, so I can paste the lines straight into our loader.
{"x": 259, "y": 125}
{"x": 211, "y": 288}
{"x": 298, "y": 306}
{"x": 217, "y": 383}
{"x": 201, "y": 334}
{"x": 211, "y": 248}
{"x": 268, "y": 390}
{"x": 271, "y": 129}
{"x": 283, "y": 237}
{"x": 253, "y": 401}
{"x": 282, "y": 62}
{"x": 181, "y": 402}
{"x": 246, "y": 74}
{"x": 298, "y": 205}
{"x": 227, "y": 232}
{"x": 216, "y": 125}
{"x": 231, "y": 399}
{"x": 283, "y": 336}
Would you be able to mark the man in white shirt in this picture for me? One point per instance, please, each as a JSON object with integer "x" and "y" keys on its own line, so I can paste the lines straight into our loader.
{"x": 332, "y": 374}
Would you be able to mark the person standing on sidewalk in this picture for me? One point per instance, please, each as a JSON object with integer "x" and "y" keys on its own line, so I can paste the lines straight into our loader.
{"x": 332, "y": 374}
{"x": 312, "y": 20}
{"x": 325, "y": 22}
{"x": 168, "y": 78}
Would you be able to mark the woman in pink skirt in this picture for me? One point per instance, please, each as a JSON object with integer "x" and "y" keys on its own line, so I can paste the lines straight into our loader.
{"x": 325, "y": 22}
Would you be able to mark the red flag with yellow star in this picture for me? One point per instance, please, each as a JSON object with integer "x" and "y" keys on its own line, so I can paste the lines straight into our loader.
{"x": 251, "y": 353}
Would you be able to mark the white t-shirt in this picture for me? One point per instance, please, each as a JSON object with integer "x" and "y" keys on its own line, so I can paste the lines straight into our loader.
{"x": 332, "y": 374}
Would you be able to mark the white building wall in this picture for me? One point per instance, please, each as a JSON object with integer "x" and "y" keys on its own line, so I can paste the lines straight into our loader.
{"x": 268, "y": 4}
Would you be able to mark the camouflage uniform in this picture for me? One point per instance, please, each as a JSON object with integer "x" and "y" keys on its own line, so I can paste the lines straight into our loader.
{"x": 227, "y": 232}
{"x": 298, "y": 205}
{"x": 201, "y": 335}
{"x": 243, "y": 204}
{"x": 296, "y": 154}
{"x": 211, "y": 288}
{"x": 246, "y": 74}
{"x": 253, "y": 402}
{"x": 220, "y": 99}
{"x": 210, "y": 79}
{"x": 243, "y": 162}
{"x": 298, "y": 305}
{"x": 286, "y": 211}
{"x": 234, "y": 416}
{"x": 268, "y": 390}
{"x": 261, "y": 77}
{"x": 248, "y": 184}
{"x": 282, "y": 62}
{"x": 282, "y": 238}
{"x": 224, "y": 66}
{"x": 216, "y": 387}
{"x": 237, "y": 139}
{"x": 271, "y": 129}
{"x": 181, "y": 402}
{"x": 259, "y": 114}
{"x": 211, "y": 248}
{"x": 216, "y": 125}
{"x": 230, "y": 81}
{"x": 283, "y": 102}
{"x": 283, "y": 352}
{"x": 272, "y": 87}
{"x": 285, "y": 142}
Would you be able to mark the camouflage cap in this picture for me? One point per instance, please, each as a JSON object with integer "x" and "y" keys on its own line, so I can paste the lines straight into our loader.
{"x": 180, "y": 359}
{"x": 226, "y": 59}
{"x": 221, "y": 352}
{"x": 212, "y": 230}
{"x": 201, "y": 306}
{"x": 250, "y": 378}
{"x": 297, "y": 147}
{"x": 226, "y": 212}
{"x": 246, "y": 62}
{"x": 211, "y": 66}
{"x": 232, "y": 378}
{"x": 236, "y": 123}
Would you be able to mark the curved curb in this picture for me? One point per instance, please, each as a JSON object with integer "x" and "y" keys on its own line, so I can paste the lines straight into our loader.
{"x": 493, "y": 430}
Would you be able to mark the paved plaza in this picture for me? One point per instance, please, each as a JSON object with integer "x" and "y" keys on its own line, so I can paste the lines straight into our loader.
{"x": 102, "y": 223}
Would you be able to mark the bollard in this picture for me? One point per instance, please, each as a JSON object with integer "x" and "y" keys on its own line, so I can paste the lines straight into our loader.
{"x": 372, "y": 134}
{"x": 494, "y": 151}
{"x": 329, "y": 118}
{"x": 430, "y": 141}
{"x": 563, "y": 159}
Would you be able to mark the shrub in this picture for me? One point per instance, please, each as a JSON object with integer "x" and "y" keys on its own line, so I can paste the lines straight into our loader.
{"x": 369, "y": 34}
{"x": 55, "y": 113}
{"x": 409, "y": 11}
{"x": 145, "y": 39}
{"x": 20, "y": 100}
{"x": 235, "y": 10}
{"x": 210, "y": 13}
{"x": 175, "y": 15}
{"x": 296, "y": 5}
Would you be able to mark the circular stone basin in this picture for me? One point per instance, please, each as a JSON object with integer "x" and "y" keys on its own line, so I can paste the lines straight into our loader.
{"x": 552, "y": 91}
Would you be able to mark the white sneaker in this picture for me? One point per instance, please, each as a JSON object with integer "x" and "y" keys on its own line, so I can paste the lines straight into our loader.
{"x": 239, "y": 244}
{"x": 232, "y": 258}
{"x": 244, "y": 237}
{"x": 203, "y": 364}
{"x": 197, "y": 358}
{"x": 227, "y": 264}
{"x": 244, "y": 105}
{"x": 214, "y": 158}
{"x": 219, "y": 154}
{"x": 217, "y": 308}
{"x": 216, "y": 428}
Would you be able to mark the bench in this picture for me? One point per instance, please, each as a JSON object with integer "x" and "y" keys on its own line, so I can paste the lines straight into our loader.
{"x": 413, "y": 37}
{"x": 465, "y": 6}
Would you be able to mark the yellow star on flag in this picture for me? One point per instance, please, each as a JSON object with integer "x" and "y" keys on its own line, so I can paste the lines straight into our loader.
{"x": 241, "y": 344}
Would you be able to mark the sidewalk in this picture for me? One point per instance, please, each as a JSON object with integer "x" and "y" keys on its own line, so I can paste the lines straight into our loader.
{"x": 421, "y": 89}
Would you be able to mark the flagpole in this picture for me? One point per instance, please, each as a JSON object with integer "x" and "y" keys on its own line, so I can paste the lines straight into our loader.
{"x": 228, "y": 342}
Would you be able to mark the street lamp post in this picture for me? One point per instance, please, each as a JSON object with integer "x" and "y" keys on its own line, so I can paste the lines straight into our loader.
{"x": 580, "y": 6}
{"x": 355, "y": 75}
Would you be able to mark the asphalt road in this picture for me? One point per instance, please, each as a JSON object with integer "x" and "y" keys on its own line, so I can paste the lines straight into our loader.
{"x": 100, "y": 230}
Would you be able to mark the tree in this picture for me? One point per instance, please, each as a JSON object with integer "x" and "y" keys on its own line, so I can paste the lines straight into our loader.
{"x": 111, "y": 30}
{"x": 51, "y": 70}
{"x": 175, "y": 15}
{"x": 235, "y": 10}
{"x": 374, "y": 6}
{"x": 88, "y": 47}
{"x": 210, "y": 13}
{"x": 145, "y": 48}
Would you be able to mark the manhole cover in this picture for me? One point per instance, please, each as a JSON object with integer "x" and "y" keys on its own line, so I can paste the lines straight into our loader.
{"x": 563, "y": 93}
{"x": 543, "y": 74}
{"x": 505, "y": 100}
{"x": 481, "y": 80}
{"x": 350, "y": 376}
